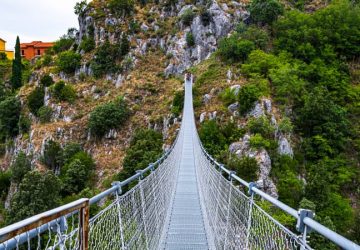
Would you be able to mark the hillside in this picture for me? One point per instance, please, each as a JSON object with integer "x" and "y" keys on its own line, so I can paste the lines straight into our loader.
{"x": 276, "y": 99}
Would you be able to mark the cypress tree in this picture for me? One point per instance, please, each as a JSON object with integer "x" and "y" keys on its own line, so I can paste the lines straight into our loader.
{"x": 16, "y": 78}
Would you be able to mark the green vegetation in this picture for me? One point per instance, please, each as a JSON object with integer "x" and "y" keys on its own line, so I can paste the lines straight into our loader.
{"x": 265, "y": 11}
{"x": 9, "y": 117}
{"x": 228, "y": 96}
{"x": 52, "y": 155}
{"x": 68, "y": 61}
{"x": 246, "y": 167}
{"x": 108, "y": 116}
{"x": 36, "y": 100}
{"x": 24, "y": 124}
{"x": 16, "y": 77}
{"x": 65, "y": 42}
{"x": 63, "y": 92}
{"x": 45, "y": 113}
{"x": 188, "y": 17}
{"x": 46, "y": 80}
{"x": 5, "y": 180}
{"x": 87, "y": 44}
{"x": 145, "y": 148}
{"x": 190, "y": 40}
{"x": 121, "y": 8}
{"x": 234, "y": 49}
{"x": 178, "y": 103}
{"x": 248, "y": 95}
{"x": 20, "y": 168}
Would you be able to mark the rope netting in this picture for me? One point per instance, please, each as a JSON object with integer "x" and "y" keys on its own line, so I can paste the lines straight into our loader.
{"x": 234, "y": 221}
{"x": 136, "y": 219}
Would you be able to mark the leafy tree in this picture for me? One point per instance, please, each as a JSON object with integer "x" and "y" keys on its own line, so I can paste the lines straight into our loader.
{"x": 24, "y": 124}
{"x": 258, "y": 142}
{"x": 87, "y": 44}
{"x": 80, "y": 7}
{"x": 261, "y": 126}
{"x": 36, "y": 100}
{"x": 248, "y": 95}
{"x": 104, "y": 60}
{"x": 258, "y": 36}
{"x": 108, "y": 116}
{"x": 178, "y": 103}
{"x": 246, "y": 167}
{"x": 52, "y": 155}
{"x": 70, "y": 150}
{"x": 121, "y": 7}
{"x": 68, "y": 61}
{"x": 265, "y": 11}
{"x": 145, "y": 148}
{"x": 5, "y": 181}
{"x": 16, "y": 77}
{"x": 63, "y": 92}
{"x": 20, "y": 167}
{"x": 46, "y": 80}
{"x": 9, "y": 117}
{"x": 37, "y": 193}
{"x": 75, "y": 177}
{"x": 233, "y": 49}
{"x": 212, "y": 138}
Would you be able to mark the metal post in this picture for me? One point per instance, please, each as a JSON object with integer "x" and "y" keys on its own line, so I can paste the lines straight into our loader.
{"x": 228, "y": 209}
{"x": 251, "y": 185}
{"x": 300, "y": 225}
{"x": 117, "y": 194}
{"x": 143, "y": 209}
{"x": 84, "y": 225}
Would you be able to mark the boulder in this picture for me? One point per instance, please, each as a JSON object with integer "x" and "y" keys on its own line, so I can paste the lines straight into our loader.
{"x": 285, "y": 147}
{"x": 233, "y": 107}
{"x": 202, "y": 117}
{"x": 257, "y": 111}
{"x": 206, "y": 99}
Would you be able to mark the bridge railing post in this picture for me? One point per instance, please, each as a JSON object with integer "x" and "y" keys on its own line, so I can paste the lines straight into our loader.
{"x": 301, "y": 227}
{"x": 117, "y": 194}
{"x": 251, "y": 205}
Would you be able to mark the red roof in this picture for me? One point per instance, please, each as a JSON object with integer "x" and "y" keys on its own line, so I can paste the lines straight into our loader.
{"x": 37, "y": 44}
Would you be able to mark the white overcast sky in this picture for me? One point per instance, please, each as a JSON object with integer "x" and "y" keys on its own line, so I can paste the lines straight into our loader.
{"x": 42, "y": 20}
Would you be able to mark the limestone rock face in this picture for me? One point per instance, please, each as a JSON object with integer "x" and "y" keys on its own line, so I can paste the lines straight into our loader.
{"x": 285, "y": 147}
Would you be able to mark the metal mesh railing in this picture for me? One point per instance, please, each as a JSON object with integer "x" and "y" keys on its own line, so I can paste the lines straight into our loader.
{"x": 136, "y": 219}
{"x": 234, "y": 220}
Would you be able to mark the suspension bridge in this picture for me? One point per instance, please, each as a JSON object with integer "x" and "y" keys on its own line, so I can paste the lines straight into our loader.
{"x": 185, "y": 200}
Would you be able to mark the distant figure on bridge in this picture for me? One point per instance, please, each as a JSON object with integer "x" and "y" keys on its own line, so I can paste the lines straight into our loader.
{"x": 188, "y": 77}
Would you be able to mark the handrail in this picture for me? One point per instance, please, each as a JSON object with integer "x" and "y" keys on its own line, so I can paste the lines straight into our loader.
{"x": 21, "y": 238}
{"x": 313, "y": 224}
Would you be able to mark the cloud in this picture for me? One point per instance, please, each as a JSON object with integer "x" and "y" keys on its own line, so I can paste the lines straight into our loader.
{"x": 44, "y": 20}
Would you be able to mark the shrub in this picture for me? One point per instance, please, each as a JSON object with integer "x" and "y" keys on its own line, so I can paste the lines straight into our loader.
{"x": 63, "y": 44}
{"x": 258, "y": 142}
{"x": 258, "y": 36}
{"x": 87, "y": 44}
{"x": 37, "y": 193}
{"x": 190, "y": 41}
{"x": 188, "y": 17}
{"x": 248, "y": 95}
{"x": 36, "y": 99}
{"x": 145, "y": 148}
{"x": 205, "y": 16}
{"x": 53, "y": 155}
{"x": 124, "y": 46}
{"x": 104, "y": 59}
{"x": 20, "y": 167}
{"x": 63, "y": 92}
{"x": 233, "y": 49}
{"x": 46, "y": 80}
{"x": 178, "y": 103}
{"x": 228, "y": 96}
{"x": 68, "y": 61}
{"x": 45, "y": 114}
{"x": 9, "y": 117}
{"x": 246, "y": 167}
{"x": 75, "y": 178}
{"x": 24, "y": 124}
{"x": 70, "y": 150}
{"x": 5, "y": 181}
{"x": 46, "y": 60}
{"x": 108, "y": 116}
{"x": 261, "y": 126}
{"x": 134, "y": 27}
{"x": 265, "y": 11}
{"x": 212, "y": 138}
{"x": 286, "y": 126}
{"x": 80, "y": 7}
{"x": 121, "y": 7}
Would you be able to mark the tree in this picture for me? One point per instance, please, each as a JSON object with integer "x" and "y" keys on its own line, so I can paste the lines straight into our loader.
{"x": 212, "y": 138}
{"x": 75, "y": 177}
{"x": 190, "y": 40}
{"x": 121, "y": 7}
{"x": 246, "y": 167}
{"x": 68, "y": 61}
{"x": 52, "y": 156}
{"x": 16, "y": 77}
{"x": 108, "y": 116}
{"x": 63, "y": 92}
{"x": 265, "y": 11}
{"x": 20, "y": 167}
{"x": 36, "y": 100}
{"x": 80, "y": 7}
{"x": 233, "y": 49}
{"x": 248, "y": 95}
{"x": 46, "y": 80}
{"x": 37, "y": 193}
{"x": 9, "y": 117}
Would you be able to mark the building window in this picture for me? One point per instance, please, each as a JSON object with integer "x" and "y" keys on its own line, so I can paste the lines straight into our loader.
{"x": 38, "y": 52}
{"x": 22, "y": 52}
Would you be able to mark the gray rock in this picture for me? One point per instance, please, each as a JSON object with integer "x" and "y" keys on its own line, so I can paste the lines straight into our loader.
{"x": 236, "y": 88}
{"x": 233, "y": 107}
{"x": 110, "y": 21}
{"x": 285, "y": 147}
{"x": 144, "y": 27}
{"x": 206, "y": 99}
{"x": 229, "y": 75}
{"x": 112, "y": 134}
{"x": 267, "y": 106}
{"x": 257, "y": 111}
{"x": 202, "y": 117}
{"x": 213, "y": 115}
{"x": 119, "y": 81}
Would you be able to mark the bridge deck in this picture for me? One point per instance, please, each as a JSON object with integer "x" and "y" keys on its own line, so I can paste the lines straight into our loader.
{"x": 186, "y": 228}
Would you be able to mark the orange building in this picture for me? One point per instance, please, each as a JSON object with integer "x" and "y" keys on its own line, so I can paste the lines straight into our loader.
{"x": 34, "y": 49}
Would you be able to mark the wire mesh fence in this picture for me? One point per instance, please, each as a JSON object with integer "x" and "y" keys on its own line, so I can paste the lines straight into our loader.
{"x": 136, "y": 219}
{"x": 62, "y": 228}
{"x": 234, "y": 220}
